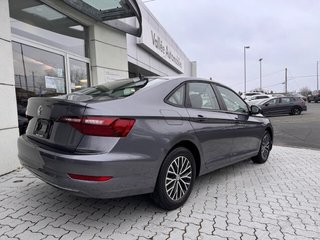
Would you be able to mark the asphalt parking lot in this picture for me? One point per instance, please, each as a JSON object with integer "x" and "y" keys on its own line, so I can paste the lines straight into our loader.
{"x": 298, "y": 131}
{"x": 276, "y": 200}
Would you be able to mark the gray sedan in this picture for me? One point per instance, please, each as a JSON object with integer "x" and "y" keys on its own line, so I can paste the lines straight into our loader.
{"x": 137, "y": 136}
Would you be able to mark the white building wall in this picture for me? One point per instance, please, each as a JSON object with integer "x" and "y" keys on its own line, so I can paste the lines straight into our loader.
{"x": 8, "y": 106}
{"x": 150, "y": 60}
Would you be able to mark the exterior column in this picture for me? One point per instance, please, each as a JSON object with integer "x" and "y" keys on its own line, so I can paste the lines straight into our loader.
{"x": 193, "y": 69}
{"x": 8, "y": 107}
{"x": 108, "y": 54}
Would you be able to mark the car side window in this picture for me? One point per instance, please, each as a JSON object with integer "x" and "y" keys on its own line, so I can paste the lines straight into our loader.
{"x": 201, "y": 95}
{"x": 285, "y": 100}
{"x": 262, "y": 97}
{"x": 273, "y": 101}
{"x": 177, "y": 97}
{"x": 233, "y": 102}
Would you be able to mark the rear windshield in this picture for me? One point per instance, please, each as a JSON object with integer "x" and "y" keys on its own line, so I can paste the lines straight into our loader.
{"x": 115, "y": 89}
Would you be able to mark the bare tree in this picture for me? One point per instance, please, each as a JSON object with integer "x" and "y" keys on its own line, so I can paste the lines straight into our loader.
{"x": 305, "y": 91}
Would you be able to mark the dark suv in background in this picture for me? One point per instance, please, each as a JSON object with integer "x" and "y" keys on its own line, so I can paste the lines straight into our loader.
{"x": 314, "y": 96}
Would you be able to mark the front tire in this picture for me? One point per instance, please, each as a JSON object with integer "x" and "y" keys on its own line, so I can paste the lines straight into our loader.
{"x": 265, "y": 147}
{"x": 175, "y": 179}
{"x": 295, "y": 111}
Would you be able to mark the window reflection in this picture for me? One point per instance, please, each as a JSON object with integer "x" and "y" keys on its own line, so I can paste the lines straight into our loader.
{"x": 78, "y": 74}
{"x": 37, "y": 73}
{"x": 34, "y": 20}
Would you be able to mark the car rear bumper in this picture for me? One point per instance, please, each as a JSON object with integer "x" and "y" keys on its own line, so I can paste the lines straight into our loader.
{"x": 132, "y": 174}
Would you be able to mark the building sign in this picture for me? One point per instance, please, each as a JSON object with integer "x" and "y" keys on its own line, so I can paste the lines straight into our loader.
{"x": 158, "y": 45}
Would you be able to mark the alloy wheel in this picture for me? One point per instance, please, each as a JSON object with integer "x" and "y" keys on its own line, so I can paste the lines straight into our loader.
{"x": 296, "y": 111}
{"x": 265, "y": 146}
{"x": 178, "y": 178}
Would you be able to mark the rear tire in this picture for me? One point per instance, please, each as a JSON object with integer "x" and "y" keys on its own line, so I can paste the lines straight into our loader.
{"x": 265, "y": 147}
{"x": 175, "y": 180}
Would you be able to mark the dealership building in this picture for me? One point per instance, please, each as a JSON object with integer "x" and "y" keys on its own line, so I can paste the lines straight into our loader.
{"x": 54, "y": 47}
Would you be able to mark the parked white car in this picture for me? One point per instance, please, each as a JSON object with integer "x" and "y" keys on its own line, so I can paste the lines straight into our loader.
{"x": 257, "y": 98}
{"x": 248, "y": 95}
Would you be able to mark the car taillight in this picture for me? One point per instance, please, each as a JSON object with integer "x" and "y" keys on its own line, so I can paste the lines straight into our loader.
{"x": 101, "y": 126}
{"x": 89, "y": 178}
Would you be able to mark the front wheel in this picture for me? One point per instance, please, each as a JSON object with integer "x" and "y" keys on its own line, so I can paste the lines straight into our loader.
{"x": 175, "y": 180}
{"x": 265, "y": 147}
{"x": 295, "y": 111}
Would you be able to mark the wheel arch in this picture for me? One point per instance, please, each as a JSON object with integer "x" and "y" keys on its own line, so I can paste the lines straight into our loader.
{"x": 296, "y": 106}
{"x": 193, "y": 149}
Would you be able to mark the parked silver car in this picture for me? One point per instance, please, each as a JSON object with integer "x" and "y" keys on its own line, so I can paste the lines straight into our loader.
{"x": 137, "y": 136}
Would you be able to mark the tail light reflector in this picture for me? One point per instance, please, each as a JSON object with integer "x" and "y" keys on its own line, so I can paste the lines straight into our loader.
{"x": 101, "y": 126}
{"x": 90, "y": 178}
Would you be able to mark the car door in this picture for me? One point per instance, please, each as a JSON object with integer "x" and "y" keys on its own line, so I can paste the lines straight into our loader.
{"x": 286, "y": 105}
{"x": 271, "y": 107}
{"x": 247, "y": 129}
{"x": 212, "y": 126}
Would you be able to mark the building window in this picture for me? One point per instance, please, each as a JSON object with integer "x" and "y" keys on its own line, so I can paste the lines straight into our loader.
{"x": 37, "y": 73}
{"x": 78, "y": 74}
{"x": 49, "y": 51}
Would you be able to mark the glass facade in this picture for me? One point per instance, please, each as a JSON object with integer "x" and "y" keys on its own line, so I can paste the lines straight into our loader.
{"x": 58, "y": 41}
{"x": 37, "y": 73}
{"x": 103, "y": 5}
{"x": 78, "y": 74}
{"x": 49, "y": 53}
{"x": 36, "y": 21}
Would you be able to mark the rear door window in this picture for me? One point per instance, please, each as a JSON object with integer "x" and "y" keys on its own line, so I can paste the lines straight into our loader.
{"x": 285, "y": 100}
{"x": 201, "y": 96}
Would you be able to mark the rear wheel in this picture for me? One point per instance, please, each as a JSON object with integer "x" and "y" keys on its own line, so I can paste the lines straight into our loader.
{"x": 176, "y": 179}
{"x": 296, "y": 111}
{"x": 265, "y": 147}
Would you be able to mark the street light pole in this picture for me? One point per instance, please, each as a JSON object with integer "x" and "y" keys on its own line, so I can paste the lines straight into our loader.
{"x": 317, "y": 75}
{"x": 260, "y": 60}
{"x": 245, "y": 68}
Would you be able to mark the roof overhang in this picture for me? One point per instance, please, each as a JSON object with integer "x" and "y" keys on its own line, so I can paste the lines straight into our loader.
{"x": 111, "y": 13}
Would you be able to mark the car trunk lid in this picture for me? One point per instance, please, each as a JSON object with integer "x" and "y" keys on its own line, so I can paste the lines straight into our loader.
{"x": 44, "y": 125}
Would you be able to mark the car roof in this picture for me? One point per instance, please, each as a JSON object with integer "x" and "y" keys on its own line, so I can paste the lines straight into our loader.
{"x": 187, "y": 78}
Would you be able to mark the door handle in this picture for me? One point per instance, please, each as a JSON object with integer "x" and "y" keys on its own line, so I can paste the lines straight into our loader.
{"x": 237, "y": 121}
{"x": 200, "y": 118}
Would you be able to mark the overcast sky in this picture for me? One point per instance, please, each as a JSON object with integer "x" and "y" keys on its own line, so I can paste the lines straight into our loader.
{"x": 286, "y": 34}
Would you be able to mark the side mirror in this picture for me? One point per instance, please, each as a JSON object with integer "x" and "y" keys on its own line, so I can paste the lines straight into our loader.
{"x": 255, "y": 109}
{"x": 267, "y": 104}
